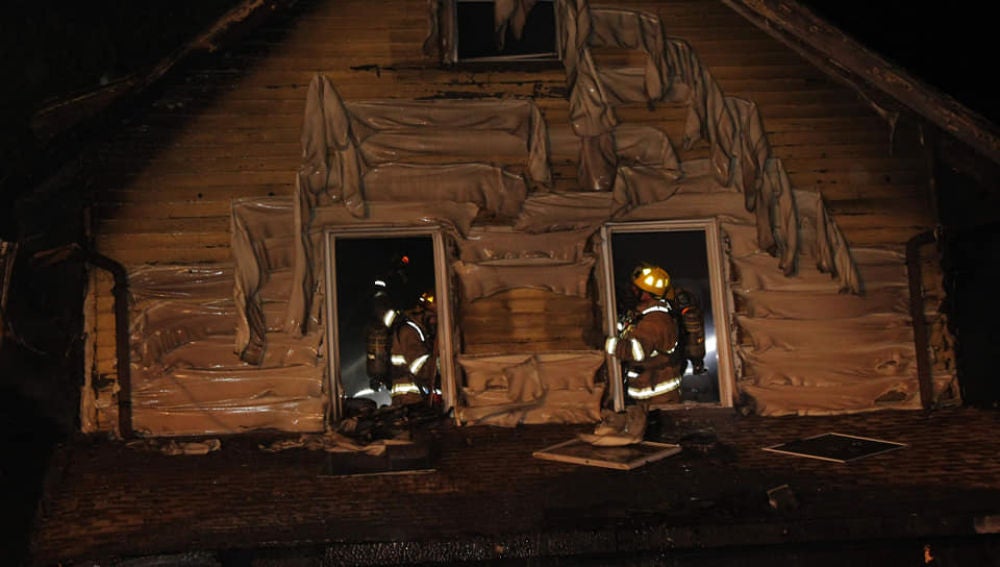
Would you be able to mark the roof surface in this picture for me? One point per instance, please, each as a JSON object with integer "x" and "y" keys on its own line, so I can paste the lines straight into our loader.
{"x": 487, "y": 498}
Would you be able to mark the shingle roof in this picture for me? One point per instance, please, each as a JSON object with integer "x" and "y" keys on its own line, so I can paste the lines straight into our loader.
{"x": 487, "y": 497}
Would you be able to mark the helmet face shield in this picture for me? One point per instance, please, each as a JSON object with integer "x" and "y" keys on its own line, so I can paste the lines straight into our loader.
{"x": 652, "y": 279}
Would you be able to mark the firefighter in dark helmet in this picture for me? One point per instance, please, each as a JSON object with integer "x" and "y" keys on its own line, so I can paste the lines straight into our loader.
{"x": 692, "y": 326}
{"x": 653, "y": 338}
{"x": 378, "y": 337}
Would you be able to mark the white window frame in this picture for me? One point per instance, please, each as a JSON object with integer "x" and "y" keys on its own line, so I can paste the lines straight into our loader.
{"x": 442, "y": 289}
{"x": 722, "y": 304}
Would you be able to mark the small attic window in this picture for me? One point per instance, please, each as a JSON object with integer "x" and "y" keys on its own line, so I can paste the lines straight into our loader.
{"x": 527, "y": 34}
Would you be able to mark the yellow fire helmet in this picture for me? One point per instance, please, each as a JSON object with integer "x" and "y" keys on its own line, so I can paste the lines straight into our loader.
{"x": 427, "y": 299}
{"x": 652, "y": 279}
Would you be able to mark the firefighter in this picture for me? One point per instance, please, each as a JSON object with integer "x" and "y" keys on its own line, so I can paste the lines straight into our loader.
{"x": 377, "y": 339}
{"x": 414, "y": 353}
{"x": 649, "y": 340}
{"x": 692, "y": 320}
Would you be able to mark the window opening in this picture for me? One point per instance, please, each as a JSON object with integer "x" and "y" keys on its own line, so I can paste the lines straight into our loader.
{"x": 478, "y": 39}
{"x": 368, "y": 276}
{"x": 690, "y": 254}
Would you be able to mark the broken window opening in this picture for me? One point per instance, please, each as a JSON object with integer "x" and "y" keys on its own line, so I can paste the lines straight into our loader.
{"x": 527, "y": 36}
{"x": 370, "y": 274}
{"x": 689, "y": 251}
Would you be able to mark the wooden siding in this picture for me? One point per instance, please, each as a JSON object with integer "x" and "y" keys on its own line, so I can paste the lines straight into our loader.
{"x": 527, "y": 320}
{"x": 228, "y": 126}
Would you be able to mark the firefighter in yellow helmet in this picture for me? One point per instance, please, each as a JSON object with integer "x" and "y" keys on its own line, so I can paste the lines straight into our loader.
{"x": 649, "y": 340}
{"x": 414, "y": 351}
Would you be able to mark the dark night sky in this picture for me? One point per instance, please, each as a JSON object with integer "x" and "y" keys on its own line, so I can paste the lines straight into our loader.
{"x": 948, "y": 46}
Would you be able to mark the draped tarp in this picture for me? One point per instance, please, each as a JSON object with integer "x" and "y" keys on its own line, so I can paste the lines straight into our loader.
{"x": 226, "y": 401}
{"x": 739, "y": 150}
{"x": 512, "y": 15}
{"x": 787, "y": 304}
{"x": 868, "y": 370}
{"x": 491, "y": 243}
{"x": 828, "y": 335}
{"x": 341, "y": 141}
{"x": 489, "y": 188}
{"x": 809, "y": 368}
{"x": 262, "y": 244}
{"x": 185, "y": 378}
{"x": 566, "y": 211}
{"x": 756, "y": 272}
{"x": 631, "y": 29}
{"x": 638, "y": 145}
{"x": 807, "y": 347}
{"x": 402, "y": 130}
{"x": 831, "y": 251}
{"x": 590, "y": 112}
{"x": 551, "y": 387}
{"x": 851, "y": 397}
{"x": 486, "y": 278}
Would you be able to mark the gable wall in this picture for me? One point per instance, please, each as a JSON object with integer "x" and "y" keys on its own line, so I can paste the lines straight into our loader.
{"x": 232, "y": 130}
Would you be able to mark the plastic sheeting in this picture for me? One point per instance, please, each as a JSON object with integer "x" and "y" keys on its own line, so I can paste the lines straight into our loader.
{"x": 756, "y": 271}
{"x": 787, "y": 304}
{"x": 244, "y": 416}
{"x": 262, "y": 244}
{"x": 634, "y": 145}
{"x": 186, "y": 380}
{"x": 835, "y": 337}
{"x": 398, "y": 131}
{"x": 512, "y": 15}
{"x": 493, "y": 190}
{"x": 739, "y": 150}
{"x": 831, "y": 252}
{"x": 795, "y": 368}
{"x": 486, "y": 278}
{"x": 485, "y": 244}
{"x": 808, "y": 349}
{"x": 641, "y": 31}
{"x": 566, "y": 211}
{"x": 510, "y": 389}
{"x": 590, "y": 112}
{"x": 343, "y": 142}
{"x": 778, "y": 400}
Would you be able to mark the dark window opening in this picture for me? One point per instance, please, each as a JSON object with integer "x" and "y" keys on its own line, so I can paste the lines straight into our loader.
{"x": 682, "y": 253}
{"x": 398, "y": 270}
{"x": 478, "y": 41}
